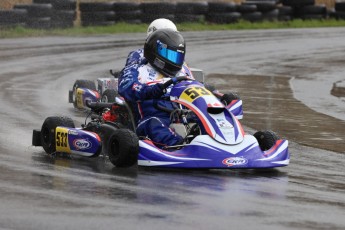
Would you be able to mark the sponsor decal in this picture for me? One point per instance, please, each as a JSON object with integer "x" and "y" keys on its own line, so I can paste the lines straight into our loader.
{"x": 233, "y": 161}
{"x": 72, "y": 132}
{"x": 222, "y": 123}
{"x": 152, "y": 72}
{"x": 82, "y": 144}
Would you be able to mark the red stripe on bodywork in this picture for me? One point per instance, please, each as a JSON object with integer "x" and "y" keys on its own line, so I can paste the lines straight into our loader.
{"x": 274, "y": 148}
{"x": 203, "y": 121}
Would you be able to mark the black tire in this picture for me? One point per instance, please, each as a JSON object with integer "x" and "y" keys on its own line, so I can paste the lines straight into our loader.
{"x": 266, "y": 139}
{"x": 42, "y": 1}
{"x": 98, "y": 16}
{"x": 48, "y": 131}
{"x": 271, "y": 15}
{"x": 298, "y": 3}
{"x": 209, "y": 86}
{"x": 63, "y": 18}
{"x": 109, "y": 95}
{"x": 128, "y": 15}
{"x": 95, "y": 6}
{"x": 244, "y": 9}
{"x": 221, "y": 7}
{"x": 155, "y": 8}
{"x": 252, "y": 17}
{"x": 223, "y": 18}
{"x": 148, "y": 18}
{"x": 98, "y": 23}
{"x": 40, "y": 10}
{"x": 189, "y": 18}
{"x": 313, "y": 17}
{"x": 339, "y": 15}
{"x": 228, "y": 97}
{"x": 14, "y": 16}
{"x": 339, "y": 6}
{"x": 123, "y": 148}
{"x": 126, "y": 6}
{"x": 39, "y": 23}
{"x": 64, "y": 5}
{"x": 82, "y": 84}
{"x": 319, "y": 9}
{"x": 191, "y": 8}
{"x": 262, "y": 6}
{"x": 285, "y": 10}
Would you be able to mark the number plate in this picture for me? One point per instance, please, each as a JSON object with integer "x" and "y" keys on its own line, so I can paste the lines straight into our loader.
{"x": 61, "y": 140}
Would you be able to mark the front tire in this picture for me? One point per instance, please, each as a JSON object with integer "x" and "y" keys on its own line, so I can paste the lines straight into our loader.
{"x": 48, "y": 131}
{"x": 266, "y": 139}
{"x": 123, "y": 148}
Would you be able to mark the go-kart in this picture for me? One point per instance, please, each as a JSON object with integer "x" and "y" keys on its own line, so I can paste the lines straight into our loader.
{"x": 213, "y": 135}
{"x": 86, "y": 90}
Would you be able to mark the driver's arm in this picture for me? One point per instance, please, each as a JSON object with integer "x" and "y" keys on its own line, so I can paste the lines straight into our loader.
{"x": 133, "y": 90}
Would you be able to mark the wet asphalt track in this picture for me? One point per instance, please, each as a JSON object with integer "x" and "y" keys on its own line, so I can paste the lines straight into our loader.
{"x": 284, "y": 78}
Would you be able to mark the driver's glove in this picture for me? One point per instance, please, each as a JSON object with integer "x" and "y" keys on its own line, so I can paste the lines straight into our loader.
{"x": 155, "y": 91}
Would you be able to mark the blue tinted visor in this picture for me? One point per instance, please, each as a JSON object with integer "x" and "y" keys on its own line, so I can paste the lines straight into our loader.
{"x": 173, "y": 56}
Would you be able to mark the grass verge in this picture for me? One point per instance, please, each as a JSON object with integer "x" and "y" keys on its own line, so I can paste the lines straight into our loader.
{"x": 138, "y": 28}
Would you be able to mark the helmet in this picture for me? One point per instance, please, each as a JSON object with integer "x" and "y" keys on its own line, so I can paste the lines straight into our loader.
{"x": 165, "y": 50}
{"x": 160, "y": 23}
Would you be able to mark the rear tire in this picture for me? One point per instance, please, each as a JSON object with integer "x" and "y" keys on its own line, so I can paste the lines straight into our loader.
{"x": 266, "y": 139}
{"x": 123, "y": 148}
{"x": 109, "y": 95}
{"x": 228, "y": 97}
{"x": 48, "y": 131}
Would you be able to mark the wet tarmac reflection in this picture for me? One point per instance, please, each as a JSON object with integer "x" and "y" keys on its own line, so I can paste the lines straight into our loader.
{"x": 268, "y": 103}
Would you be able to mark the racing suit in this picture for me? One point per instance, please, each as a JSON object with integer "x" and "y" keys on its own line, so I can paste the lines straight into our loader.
{"x": 141, "y": 85}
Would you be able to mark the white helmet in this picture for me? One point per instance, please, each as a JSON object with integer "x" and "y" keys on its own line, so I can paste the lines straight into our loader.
{"x": 160, "y": 23}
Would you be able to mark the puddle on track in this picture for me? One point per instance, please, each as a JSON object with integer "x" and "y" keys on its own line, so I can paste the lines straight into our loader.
{"x": 268, "y": 104}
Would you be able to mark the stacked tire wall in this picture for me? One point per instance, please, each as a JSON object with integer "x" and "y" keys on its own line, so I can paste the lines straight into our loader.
{"x": 46, "y": 14}
{"x": 339, "y": 10}
{"x": 41, "y": 14}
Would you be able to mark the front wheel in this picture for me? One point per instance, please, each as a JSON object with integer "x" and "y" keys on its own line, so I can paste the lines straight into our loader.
{"x": 266, "y": 139}
{"x": 48, "y": 131}
{"x": 123, "y": 148}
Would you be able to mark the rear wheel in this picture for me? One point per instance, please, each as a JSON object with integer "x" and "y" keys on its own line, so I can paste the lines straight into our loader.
{"x": 229, "y": 97}
{"x": 266, "y": 139}
{"x": 82, "y": 84}
{"x": 109, "y": 95}
{"x": 123, "y": 148}
{"x": 48, "y": 131}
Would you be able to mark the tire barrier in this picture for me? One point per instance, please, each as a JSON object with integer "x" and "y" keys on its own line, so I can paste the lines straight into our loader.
{"x": 154, "y": 10}
{"x": 129, "y": 12}
{"x": 46, "y": 14}
{"x": 190, "y": 11}
{"x": 15, "y": 17}
{"x": 97, "y": 13}
{"x": 339, "y": 10}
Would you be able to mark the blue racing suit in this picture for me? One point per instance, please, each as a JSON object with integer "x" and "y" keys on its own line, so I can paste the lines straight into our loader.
{"x": 141, "y": 85}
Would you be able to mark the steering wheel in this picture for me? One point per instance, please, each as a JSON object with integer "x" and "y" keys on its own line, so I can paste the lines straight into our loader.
{"x": 175, "y": 80}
